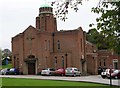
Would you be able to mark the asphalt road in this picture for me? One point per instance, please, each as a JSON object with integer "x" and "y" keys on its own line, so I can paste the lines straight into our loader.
{"x": 93, "y": 78}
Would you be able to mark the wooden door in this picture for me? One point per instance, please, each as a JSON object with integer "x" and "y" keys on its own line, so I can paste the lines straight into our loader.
{"x": 31, "y": 68}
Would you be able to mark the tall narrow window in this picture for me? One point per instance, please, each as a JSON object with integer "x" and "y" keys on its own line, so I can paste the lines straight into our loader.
{"x": 58, "y": 45}
{"x": 104, "y": 62}
{"x": 46, "y": 62}
{"x": 99, "y": 62}
{"x": 45, "y": 44}
{"x": 115, "y": 65}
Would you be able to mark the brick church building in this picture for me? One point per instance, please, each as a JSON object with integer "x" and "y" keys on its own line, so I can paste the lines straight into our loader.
{"x": 44, "y": 46}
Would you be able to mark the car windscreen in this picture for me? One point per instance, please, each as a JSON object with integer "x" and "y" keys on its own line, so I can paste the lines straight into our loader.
{"x": 75, "y": 69}
{"x": 52, "y": 69}
{"x": 116, "y": 71}
{"x": 69, "y": 69}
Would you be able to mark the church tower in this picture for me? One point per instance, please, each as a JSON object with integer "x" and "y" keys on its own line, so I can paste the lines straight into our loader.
{"x": 46, "y": 21}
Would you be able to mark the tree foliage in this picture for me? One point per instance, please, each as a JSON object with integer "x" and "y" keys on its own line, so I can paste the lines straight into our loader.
{"x": 0, "y": 53}
{"x": 6, "y": 53}
{"x": 97, "y": 38}
{"x": 109, "y": 23}
{"x": 62, "y": 7}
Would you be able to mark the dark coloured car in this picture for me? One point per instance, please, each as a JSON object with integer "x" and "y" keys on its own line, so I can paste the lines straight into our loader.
{"x": 60, "y": 72}
{"x": 13, "y": 71}
{"x": 100, "y": 70}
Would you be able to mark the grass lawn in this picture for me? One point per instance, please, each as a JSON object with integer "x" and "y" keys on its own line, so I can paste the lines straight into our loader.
{"x": 38, "y": 82}
{"x": 6, "y": 66}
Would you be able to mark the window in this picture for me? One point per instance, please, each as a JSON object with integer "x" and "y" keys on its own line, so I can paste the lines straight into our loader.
{"x": 55, "y": 59}
{"x": 99, "y": 62}
{"x": 115, "y": 65}
{"x": 49, "y": 45}
{"x": 51, "y": 69}
{"x": 58, "y": 45}
{"x": 45, "y": 44}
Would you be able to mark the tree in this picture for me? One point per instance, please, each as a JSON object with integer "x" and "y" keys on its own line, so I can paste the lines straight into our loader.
{"x": 0, "y": 53}
{"x": 97, "y": 38}
{"x": 7, "y": 53}
{"x": 62, "y": 7}
{"x": 0, "y": 56}
{"x": 109, "y": 23}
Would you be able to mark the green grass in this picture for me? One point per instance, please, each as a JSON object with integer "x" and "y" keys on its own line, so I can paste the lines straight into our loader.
{"x": 6, "y": 66}
{"x": 38, "y": 82}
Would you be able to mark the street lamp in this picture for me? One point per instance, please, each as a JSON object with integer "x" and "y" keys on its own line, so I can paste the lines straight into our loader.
{"x": 66, "y": 59}
{"x": 110, "y": 75}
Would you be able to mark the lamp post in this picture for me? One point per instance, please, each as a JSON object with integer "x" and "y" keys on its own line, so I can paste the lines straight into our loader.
{"x": 110, "y": 75}
{"x": 66, "y": 59}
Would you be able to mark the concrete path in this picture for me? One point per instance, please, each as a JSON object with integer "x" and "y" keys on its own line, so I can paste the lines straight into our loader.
{"x": 94, "y": 78}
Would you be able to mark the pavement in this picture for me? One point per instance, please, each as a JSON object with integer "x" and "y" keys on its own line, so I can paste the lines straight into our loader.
{"x": 93, "y": 78}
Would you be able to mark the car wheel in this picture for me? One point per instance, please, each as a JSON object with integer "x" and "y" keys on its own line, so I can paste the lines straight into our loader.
{"x": 50, "y": 74}
{"x": 61, "y": 74}
{"x": 103, "y": 77}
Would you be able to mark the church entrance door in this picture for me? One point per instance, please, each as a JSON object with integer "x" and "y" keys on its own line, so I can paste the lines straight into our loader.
{"x": 31, "y": 68}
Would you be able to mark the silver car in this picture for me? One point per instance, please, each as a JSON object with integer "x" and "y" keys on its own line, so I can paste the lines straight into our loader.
{"x": 4, "y": 71}
{"x": 48, "y": 71}
{"x": 71, "y": 71}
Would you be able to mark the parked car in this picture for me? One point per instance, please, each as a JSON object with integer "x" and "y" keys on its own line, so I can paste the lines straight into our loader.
{"x": 59, "y": 72}
{"x": 105, "y": 73}
{"x": 115, "y": 74}
{"x": 100, "y": 70}
{"x": 48, "y": 71}
{"x": 72, "y": 71}
{"x": 4, "y": 71}
{"x": 13, "y": 71}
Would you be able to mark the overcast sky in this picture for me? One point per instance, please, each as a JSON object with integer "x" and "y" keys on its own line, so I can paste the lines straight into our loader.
{"x": 17, "y": 15}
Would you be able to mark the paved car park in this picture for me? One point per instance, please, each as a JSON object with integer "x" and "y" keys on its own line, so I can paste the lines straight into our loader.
{"x": 94, "y": 78}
